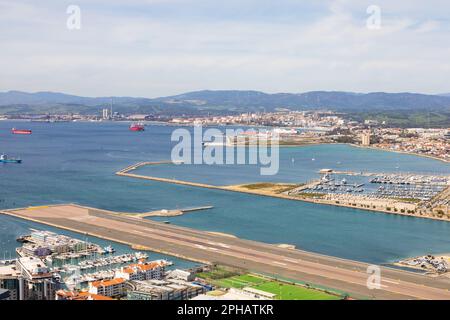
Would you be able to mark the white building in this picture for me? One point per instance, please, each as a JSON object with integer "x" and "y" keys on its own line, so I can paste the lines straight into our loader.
{"x": 105, "y": 114}
{"x": 365, "y": 138}
{"x": 142, "y": 271}
{"x": 109, "y": 288}
{"x": 181, "y": 274}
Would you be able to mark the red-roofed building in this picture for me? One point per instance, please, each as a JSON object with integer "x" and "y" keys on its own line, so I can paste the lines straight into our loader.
{"x": 142, "y": 271}
{"x": 109, "y": 288}
{"x": 83, "y": 295}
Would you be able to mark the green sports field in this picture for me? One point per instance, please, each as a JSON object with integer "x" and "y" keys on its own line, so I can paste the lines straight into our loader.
{"x": 283, "y": 291}
{"x": 294, "y": 292}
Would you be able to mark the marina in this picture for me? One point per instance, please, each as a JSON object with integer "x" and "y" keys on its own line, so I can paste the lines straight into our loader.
{"x": 235, "y": 154}
{"x": 75, "y": 263}
{"x": 206, "y": 247}
{"x": 78, "y": 277}
{"x": 55, "y": 174}
{"x": 102, "y": 262}
{"x": 404, "y": 194}
{"x": 408, "y": 187}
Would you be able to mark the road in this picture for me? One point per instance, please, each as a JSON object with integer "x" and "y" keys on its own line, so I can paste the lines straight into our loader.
{"x": 344, "y": 275}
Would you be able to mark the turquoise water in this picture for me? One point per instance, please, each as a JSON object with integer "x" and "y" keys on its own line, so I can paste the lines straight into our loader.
{"x": 11, "y": 228}
{"x": 75, "y": 162}
{"x": 301, "y": 164}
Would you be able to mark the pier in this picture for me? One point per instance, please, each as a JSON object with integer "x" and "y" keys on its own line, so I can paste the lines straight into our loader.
{"x": 126, "y": 172}
{"x": 369, "y": 202}
{"x": 345, "y": 275}
{"x": 170, "y": 213}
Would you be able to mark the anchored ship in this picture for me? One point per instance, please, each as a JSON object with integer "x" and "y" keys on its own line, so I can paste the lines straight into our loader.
{"x": 20, "y": 131}
{"x": 4, "y": 159}
{"x": 137, "y": 127}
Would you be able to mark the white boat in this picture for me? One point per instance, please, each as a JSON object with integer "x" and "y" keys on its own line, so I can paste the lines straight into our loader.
{"x": 109, "y": 249}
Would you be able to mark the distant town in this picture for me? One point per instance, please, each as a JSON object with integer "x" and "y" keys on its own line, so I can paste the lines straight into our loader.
{"x": 294, "y": 128}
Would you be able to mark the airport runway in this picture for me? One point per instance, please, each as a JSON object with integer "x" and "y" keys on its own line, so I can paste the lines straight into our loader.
{"x": 344, "y": 275}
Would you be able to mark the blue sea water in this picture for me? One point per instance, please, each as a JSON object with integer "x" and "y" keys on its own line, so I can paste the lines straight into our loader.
{"x": 75, "y": 162}
{"x": 299, "y": 164}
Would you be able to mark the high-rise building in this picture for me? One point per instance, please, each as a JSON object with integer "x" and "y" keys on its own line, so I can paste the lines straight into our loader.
{"x": 40, "y": 284}
{"x": 106, "y": 115}
{"x": 28, "y": 279}
{"x": 9, "y": 280}
{"x": 4, "y": 294}
{"x": 365, "y": 138}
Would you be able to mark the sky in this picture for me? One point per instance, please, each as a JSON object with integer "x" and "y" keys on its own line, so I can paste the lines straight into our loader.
{"x": 153, "y": 48}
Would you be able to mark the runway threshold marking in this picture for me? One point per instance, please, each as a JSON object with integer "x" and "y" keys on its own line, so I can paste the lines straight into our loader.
{"x": 220, "y": 244}
{"x": 389, "y": 281}
{"x": 37, "y": 207}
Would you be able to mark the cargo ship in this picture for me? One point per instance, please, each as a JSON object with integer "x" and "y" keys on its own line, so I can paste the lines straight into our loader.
{"x": 137, "y": 127}
{"x": 20, "y": 131}
{"x": 4, "y": 159}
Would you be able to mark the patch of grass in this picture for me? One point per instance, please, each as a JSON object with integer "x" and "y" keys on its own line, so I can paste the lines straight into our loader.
{"x": 240, "y": 282}
{"x": 406, "y": 118}
{"x": 217, "y": 273}
{"x": 286, "y": 188}
{"x": 411, "y": 200}
{"x": 262, "y": 185}
{"x": 310, "y": 195}
{"x": 294, "y": 292}
{"x": 275, "y": 187}
{"x": 283, "y": 291}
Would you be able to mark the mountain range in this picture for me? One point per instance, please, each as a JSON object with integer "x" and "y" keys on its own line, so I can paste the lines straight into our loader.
{"x": 222, "y": 102}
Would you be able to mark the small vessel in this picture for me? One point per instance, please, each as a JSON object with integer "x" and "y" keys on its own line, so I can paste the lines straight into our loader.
{"x": 20, "y": 131}
{"x": 4, "y": 159}
{"x": 23, "y": 239}
{"x": 137, "y": 127}
{"x": 109, "y": 249}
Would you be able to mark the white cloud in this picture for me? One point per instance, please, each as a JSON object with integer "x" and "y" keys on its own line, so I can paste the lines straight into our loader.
{"x": 428, "y": 26}
{"x": 153, "y": 48}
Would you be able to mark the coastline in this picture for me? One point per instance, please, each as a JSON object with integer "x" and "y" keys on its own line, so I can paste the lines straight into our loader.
{"x": 401, "y": 152}
{"x": 100, "y": 236}
{"x": 362, "y": 147}
{"x": 319, "y": 269}
{"x": 239, "y": 188}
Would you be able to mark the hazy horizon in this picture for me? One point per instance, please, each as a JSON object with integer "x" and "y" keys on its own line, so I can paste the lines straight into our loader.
{"x": 218, "y": 90}
{"x": 156, "y": 48}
